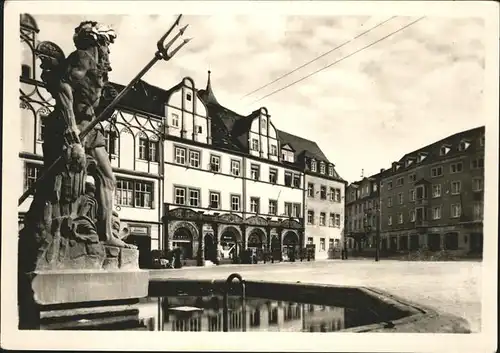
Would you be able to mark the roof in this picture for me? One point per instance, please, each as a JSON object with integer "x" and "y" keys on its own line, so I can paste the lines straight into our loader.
{"x": 144, "y": 97}
{"x": 302, "y": 146}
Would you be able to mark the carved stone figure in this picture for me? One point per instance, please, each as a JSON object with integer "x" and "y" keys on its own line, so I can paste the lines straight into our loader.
{"x": 66, "y": 222}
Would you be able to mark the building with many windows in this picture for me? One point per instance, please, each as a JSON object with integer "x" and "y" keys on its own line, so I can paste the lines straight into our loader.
{"x": 433, "y": 197}
{"x": 362, "y": 205}
{"x": 191, "y": 173}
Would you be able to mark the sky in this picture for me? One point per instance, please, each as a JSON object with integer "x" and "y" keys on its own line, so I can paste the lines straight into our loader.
{"x": 409, "y": 90}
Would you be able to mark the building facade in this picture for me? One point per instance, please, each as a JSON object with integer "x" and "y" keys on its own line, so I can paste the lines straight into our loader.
{"x": 362, "y": 209}
{"x": 191, "y": 173}
{"x": 434, "y": 197}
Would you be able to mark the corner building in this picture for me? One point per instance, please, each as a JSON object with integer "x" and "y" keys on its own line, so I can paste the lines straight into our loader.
{"x": 434, "y": 197}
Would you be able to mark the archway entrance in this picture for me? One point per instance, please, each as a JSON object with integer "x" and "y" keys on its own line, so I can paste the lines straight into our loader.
{"x": 290, "y": 245}
{"x": 210, "y": 248}
{"x": 256, "y": 239}
{"x": 183, "y": 239}
{"x": 229, "y": 242}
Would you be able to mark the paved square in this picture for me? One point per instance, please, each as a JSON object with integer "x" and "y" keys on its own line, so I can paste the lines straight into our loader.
{"x": 451, "y": 287}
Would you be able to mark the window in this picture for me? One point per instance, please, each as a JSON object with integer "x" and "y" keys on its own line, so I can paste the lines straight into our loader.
{"x": 331, "y": 194}
{"x": 41, "y": 128}
{"x": 124, "y": 193}
{"x": 436, "y": 190}
{"x": 296, "y": 180}
{"x": 463, "y": 145}
{"x": 400, "y": 181}
{"x": 214, "y": 200}
{"x": 412, "y": 178}
{"x": 456, "y": 187}
{"x": 330, "y": 171}
{"x": 477, "y": 184}
{"x": 389, "y": 220}
{"x": 273, "y": 207}
{"x": 389, "y": 185}
{"x": 374, "y": 187}
{"x": 330, "y": 243}
{"x": 310, "y": 217}
{"x": 235, "y": 167}
{"x": 323, "y": 192}
{"x": 180, "y": 196}
{"x": 412, "y": 215}
{"x": 296, "y": 210}
{"x": 194, "y": 159}
{"x": 255, "y": 172}
{"x": 254, "y": 204}
{"x": 148, "y": 150}
{"x": 288, "y": 178}
{"x": 310, "y": 241}
{"x": 31, "y": 173}
{"x": 456, "y": 167}
{"x": 389, "y": 201}
{"x": 331, "y": 220}
{"x": 400, "y": 218}
{"x": 175, "y": 120}
{"x": 477, "y": 163}
{"x": 338, "y": 195}
{"x": 412, "y": 195}
{"x": 322, "y": 168}
{"x": 25, "y": 71}
{"x": 477, "y": 211}
{"x": 288, "y": 209}
{"x": 421, "y": 157}
{"x": 313, "y": 165}
{"x": 310, "y": 189}
{"x": 180, "y": 155}
{"x": 400, "y": 198}
{"x": 322, "y": 244}
{"x": 436, "y": 212}
{"x": 274, "y": 150}
{"x": 194, "y": 197}
{"x": 134, "y": 193}
{"x": 337, "y": 220}
{"x": 322, "y": 218}
{"x": 287, "y": 156}
{"x": 143, "y": 194}
{"x": 110, "y": 139}
{"x": 255, "y": 144}
{"x": 214, "y": 163}
{"x": 456, "y": 210}
{"x": 444, "y": 150}
{"x": 273, "y": 176}
{"x": 188, "y": 96}
{"x": 436, "y": 171}
{"x": 235, "y": 202}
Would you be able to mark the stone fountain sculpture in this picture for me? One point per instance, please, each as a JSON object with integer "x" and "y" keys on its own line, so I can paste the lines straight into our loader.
{"x": 71, "y": 249}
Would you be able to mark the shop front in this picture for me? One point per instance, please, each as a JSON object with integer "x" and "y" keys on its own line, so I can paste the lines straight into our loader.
{"x": 140, "y": 236}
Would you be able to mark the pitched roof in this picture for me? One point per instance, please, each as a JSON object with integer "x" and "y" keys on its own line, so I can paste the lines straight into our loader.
{"x": 144, "y": 97}
{"x": 302, "y": 146}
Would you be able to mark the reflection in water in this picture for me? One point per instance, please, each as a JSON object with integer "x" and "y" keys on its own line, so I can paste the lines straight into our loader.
{"x": 204, "y": 313}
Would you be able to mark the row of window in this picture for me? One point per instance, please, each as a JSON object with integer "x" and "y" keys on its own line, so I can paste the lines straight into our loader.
{"x": 436, "y": 191}
{"x": 335, "y": 194}
{"x": 322, "y": 243}
{"x": 192, "y": 158}
{"x": 187, "y": 196}
{"x": 455, "y": 168}
{"x": 333, "y": 220}
{"x": 273, "y": 149}
{"x": 175, "y": 122}
{"x": 322, "y": 168}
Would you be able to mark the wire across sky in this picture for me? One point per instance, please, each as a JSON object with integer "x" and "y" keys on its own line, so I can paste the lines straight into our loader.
{"x": 339, "y": 60}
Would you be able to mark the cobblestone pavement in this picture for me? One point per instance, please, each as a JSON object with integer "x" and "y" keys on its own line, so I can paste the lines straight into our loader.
{"x": 451, "y": 287}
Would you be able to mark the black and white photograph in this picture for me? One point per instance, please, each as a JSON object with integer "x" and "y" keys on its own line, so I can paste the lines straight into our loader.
{"x": 250, "y": 175}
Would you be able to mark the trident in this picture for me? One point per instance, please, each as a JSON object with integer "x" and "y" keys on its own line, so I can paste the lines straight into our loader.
{"x": 161, "y": 54}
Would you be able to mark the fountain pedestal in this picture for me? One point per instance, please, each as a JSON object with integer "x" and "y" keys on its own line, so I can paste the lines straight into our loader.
{"x": 84, "y": 298}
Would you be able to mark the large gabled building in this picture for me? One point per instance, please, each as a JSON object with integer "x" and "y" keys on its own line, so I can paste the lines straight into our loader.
{"x": 194, "y": 174}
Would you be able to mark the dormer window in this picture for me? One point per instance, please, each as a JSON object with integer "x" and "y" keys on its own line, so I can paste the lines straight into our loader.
{"x": 444, "y": 150}
{"x": 263, "y": 125}
{"x": 409, "y": 162}
{"x": 463, "y": 145}
{"x": 322, "y": 168}
{"x": 421, "y": 157}
{"x": 330, "y": 170}
{"x": 395, "y": 166}
{"x": 313, "y": 165}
